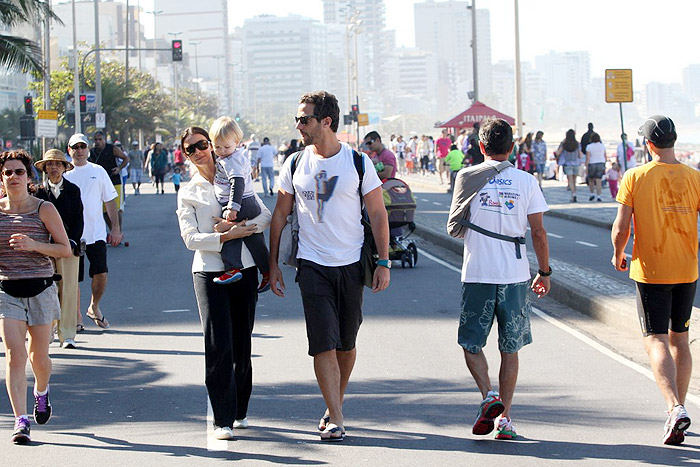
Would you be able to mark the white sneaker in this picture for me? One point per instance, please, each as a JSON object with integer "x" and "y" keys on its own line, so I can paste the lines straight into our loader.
{"x": 223, "y": 432}
{"x": 69, "y": 344}
{"x": 674, "y": 428}
{"x": 241, "y": 424}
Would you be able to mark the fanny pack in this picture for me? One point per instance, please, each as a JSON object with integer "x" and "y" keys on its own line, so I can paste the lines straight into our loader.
{"x": 25, "y": 288}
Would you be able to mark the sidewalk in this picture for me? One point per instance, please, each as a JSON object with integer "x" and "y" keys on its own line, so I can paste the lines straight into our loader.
{"x": 582, "y": 289}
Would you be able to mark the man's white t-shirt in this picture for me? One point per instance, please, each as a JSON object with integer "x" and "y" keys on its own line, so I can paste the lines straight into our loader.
{"x": 631, "y": 162}
{"x": 95, "y": 188}
{"x": 502, "y": 206}
{"x": 328, "y": 204}
{"x": 266, "y": 155}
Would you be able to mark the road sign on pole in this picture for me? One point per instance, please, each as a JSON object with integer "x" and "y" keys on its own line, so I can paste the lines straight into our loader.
{"x": 618, "y": 85}
{"x": 362, "y": 119}
{"x": 47, "y": 123}
{"x": 100, "y": 120}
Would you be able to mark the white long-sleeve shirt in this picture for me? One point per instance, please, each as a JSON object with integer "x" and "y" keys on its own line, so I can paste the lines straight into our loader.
{"x": 196, "y": 207}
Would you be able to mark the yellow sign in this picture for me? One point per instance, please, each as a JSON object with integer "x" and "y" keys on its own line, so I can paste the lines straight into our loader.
{"x": 47, "y": 115}
{"x": 362, "y": 119}
{"x": 618, "y": 85}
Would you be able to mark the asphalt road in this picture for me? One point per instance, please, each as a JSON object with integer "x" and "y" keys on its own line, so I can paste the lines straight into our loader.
{"x": 573, "y": 242}
{"x": 135, "y": 394}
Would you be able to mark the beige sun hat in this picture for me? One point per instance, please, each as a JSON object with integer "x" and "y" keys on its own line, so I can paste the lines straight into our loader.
{"x": 53, "y": 155}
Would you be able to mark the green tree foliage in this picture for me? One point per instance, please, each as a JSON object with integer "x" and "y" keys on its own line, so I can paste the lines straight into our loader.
{"x": 18, "y": 53}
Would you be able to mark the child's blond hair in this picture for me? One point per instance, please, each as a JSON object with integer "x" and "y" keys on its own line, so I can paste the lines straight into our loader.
{"x": 225, "y": 128}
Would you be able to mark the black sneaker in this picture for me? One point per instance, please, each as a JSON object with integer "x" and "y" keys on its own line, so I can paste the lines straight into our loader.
{"x": 591, "y": 198}
{"x": 21, "y": 433}
{"x": 42, "y": 408}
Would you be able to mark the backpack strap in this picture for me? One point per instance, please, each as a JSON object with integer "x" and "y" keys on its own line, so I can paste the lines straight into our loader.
{"x": 294, "y": 164}
{"x": 359, "y": 162}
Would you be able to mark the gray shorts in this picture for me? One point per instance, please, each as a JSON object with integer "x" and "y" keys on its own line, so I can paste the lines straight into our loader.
{"x": 508, "y": 303}
{"x": 40, "y": 309}
{"x": 572, "y": 170}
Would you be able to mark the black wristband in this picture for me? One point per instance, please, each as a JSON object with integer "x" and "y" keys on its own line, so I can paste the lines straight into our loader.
{"x": 545, "y": 274}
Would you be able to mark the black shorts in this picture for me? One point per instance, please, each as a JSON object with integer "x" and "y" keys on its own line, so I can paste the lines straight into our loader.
{"x": 332, "y": 299}
{"x": 659, "y": 304}
{"x": 97, "y": 255}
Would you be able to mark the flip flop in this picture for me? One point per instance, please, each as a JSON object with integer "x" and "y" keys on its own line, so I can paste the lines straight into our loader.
{"x": 333, "y": 433}
{"x": 79, "y": 328}
{"x": 100, "y": 322}
{"x": 323, "y": 423}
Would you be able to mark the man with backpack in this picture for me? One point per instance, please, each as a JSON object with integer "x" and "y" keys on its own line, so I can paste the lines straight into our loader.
{"x": 324, "y": 185}
{"x": 492, "y": 206}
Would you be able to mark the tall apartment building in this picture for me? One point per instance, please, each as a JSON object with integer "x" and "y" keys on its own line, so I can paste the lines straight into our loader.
{"x": 417, "y": 74}
{"x": 283, "y": 57}
{"x": 445, "y": 30}
{"x": 691, "y": 81}
{"x": 112, "y": 25}
{"x": 567, "y": 74}
{"x": 365, "y": 21}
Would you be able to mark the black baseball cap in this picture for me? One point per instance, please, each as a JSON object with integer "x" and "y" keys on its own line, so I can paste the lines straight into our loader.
{"x": 659, "y": 130}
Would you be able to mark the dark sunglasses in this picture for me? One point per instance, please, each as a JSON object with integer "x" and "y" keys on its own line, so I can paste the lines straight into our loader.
{"x": 9, "y": 172}
{"x": 79, "y": 146}
{"x": 304, "y": 120}
{"x": 202, "y": 145}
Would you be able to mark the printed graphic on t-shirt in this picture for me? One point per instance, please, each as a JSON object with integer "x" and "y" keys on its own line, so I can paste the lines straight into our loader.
{"x": 324, "y": 191}
{"x": 506, "y": 197}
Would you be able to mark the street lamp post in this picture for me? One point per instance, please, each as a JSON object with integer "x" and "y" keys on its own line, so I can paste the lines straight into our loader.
{"x": 76, "y": 77}
{"x": 196, "y": 70}
{"x": 474, "y": 51}
{"x": 98, "y": 75}
{"x": 518, "y": 86}
{"x": 155, "y": 13}
{"x": 218, "y": 80}
{"x": 176, "y": 79}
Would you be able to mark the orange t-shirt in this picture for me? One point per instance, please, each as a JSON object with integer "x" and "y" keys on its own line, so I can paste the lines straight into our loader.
{"x": 665, "y": 199}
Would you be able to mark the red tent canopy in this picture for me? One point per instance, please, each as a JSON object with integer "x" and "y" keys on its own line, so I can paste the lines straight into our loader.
{"x": 474, "y": 114}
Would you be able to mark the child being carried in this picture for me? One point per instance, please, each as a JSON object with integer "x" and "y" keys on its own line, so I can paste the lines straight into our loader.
{"x": 233, "y": 186}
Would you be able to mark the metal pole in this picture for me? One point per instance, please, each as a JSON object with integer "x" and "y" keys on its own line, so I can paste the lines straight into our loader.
{"x": 357, "y": 90}
{"x": 474, "y": 52}
{"x": 76, "y": 77}
{"x": 47, "y": 61}
{"x": 138, "y": 34}
{"x": 624, "y": 142}
{"x": 126, "y": 60}
{"x": 98, "y": 77}
{"x": 47, "y": 70}
{"x": 518, "y": 88}
{"x": 177, "y": 100}
{"x": 228, "y": 107}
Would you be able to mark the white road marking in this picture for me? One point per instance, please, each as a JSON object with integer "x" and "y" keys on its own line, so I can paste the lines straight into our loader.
{"x": 176, "y": 311}
{"x": 550, "y": 234}
{"x": 578, "y": 335}
{"x": 436, "y": 203}
{"x": 426, "y": 200}
{"x": 592, "y": 245}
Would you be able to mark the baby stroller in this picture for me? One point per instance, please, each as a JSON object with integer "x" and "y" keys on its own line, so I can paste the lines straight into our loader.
{"x": 401, "y": 207}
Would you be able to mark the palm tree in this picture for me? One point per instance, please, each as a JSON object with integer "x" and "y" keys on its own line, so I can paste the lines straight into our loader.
{"x": 18, "y": 53}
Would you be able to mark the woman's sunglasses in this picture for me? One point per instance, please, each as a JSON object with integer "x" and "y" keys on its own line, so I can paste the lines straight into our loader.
{"x": 8, "y": 172}
{"x": 202, "y": 145}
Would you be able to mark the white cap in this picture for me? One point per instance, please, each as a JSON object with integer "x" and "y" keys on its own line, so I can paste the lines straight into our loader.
{"x": 78, "y": 138}
{"x": 134, "y": 143}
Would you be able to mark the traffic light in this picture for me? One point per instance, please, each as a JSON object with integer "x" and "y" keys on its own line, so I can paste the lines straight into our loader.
{"x": 27, "y": 127}
{"x": 28, "y": 105}
{"x": 176, "y": 49}
{"x": 354, "y": 110}
{"x": 83, "y": 103}
{"x": 238, "y": 117}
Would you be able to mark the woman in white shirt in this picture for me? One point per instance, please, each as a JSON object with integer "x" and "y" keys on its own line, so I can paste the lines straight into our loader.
{"x": 595, "y": 163}
{"x": 227, "y": 311}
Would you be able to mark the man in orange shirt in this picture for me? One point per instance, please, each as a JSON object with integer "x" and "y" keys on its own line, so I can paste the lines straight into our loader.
{"x": 663, "y": 198}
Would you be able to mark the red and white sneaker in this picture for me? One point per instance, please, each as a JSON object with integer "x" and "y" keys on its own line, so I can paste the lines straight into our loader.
{"x": 232, "y": 275}
{"x": 490, "y": 408}
{"x": 264, "y": 283}
{"x": 674, "y": 429}
{"x": 505, "y": 429}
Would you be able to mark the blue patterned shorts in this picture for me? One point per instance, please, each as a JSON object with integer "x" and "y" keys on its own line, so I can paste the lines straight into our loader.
{"x": 508, "y": 303}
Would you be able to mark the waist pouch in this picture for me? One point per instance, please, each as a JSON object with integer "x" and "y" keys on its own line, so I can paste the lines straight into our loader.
{"x": 25, "y": 288}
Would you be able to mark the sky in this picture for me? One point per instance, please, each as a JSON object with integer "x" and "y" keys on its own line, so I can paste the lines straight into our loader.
{"x": 657, "y": 40}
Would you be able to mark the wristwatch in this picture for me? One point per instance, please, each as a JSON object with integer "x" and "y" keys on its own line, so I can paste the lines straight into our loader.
{"x": 386, "y": 263}
{"x": 545, "y": 274}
